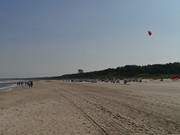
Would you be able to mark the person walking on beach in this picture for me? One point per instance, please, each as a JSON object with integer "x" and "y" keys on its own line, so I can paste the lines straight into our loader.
{"x": 31, "y": 84}
{"x": 28, "y": 84}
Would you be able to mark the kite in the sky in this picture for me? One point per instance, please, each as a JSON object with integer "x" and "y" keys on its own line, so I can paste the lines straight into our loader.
{"x": 149, "y": 33}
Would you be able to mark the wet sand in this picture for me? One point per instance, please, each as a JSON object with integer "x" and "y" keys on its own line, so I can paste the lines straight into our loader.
{"x": 58, "y": 108}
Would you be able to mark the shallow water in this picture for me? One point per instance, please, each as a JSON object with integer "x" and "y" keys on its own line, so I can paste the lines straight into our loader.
{"x": 6, "y": 85}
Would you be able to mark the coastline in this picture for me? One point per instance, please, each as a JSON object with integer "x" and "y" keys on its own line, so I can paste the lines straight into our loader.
{"x": 7, "y": 87}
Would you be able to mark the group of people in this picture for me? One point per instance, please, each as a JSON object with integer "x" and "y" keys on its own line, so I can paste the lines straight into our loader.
{"x": 28, "y": 84}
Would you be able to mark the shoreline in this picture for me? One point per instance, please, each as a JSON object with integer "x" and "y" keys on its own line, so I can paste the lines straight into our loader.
{"x": 8, "y": 88}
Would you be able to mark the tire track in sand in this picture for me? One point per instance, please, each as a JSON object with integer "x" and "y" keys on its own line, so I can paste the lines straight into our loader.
{"x": 117, "y": 123}
{"x": 101, "y": 129}
{"x": 111, "y": 123}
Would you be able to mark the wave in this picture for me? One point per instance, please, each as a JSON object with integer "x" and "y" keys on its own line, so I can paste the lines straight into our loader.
{"x": 7, "y": 87}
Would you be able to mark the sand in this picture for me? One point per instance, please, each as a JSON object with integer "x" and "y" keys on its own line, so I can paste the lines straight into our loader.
{"x": 58, "y": 108}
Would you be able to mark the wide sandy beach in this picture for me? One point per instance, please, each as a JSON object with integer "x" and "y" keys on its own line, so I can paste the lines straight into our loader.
{"x": 59, "y": 108}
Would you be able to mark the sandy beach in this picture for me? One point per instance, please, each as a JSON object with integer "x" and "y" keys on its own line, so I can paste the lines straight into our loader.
{"x": 59, "y": 108}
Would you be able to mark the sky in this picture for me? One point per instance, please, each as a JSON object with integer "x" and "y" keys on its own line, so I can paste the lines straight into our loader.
{"x": 56, "y": 37}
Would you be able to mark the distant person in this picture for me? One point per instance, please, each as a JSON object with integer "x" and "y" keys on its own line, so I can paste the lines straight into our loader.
{"x": 31, "y": 84}
{"x": 25, "y": 83}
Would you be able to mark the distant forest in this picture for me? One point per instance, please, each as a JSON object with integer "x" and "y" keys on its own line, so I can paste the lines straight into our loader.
{"x": 130, "y": 71}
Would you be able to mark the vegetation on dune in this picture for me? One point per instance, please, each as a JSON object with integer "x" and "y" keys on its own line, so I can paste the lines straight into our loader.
{"x": 130, "y": 71}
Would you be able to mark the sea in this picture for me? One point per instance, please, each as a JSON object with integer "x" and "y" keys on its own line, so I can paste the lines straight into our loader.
{"x": 7, "y": 85}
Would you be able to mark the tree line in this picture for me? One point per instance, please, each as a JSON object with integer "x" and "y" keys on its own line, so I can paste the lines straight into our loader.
{"x": 130, "y": 71}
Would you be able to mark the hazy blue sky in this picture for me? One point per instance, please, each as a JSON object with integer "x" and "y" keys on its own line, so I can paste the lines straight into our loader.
{"x": 53, "y": 37}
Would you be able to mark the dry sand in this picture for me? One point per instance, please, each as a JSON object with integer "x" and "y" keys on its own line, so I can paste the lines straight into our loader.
{"x": 57, "y": 108}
